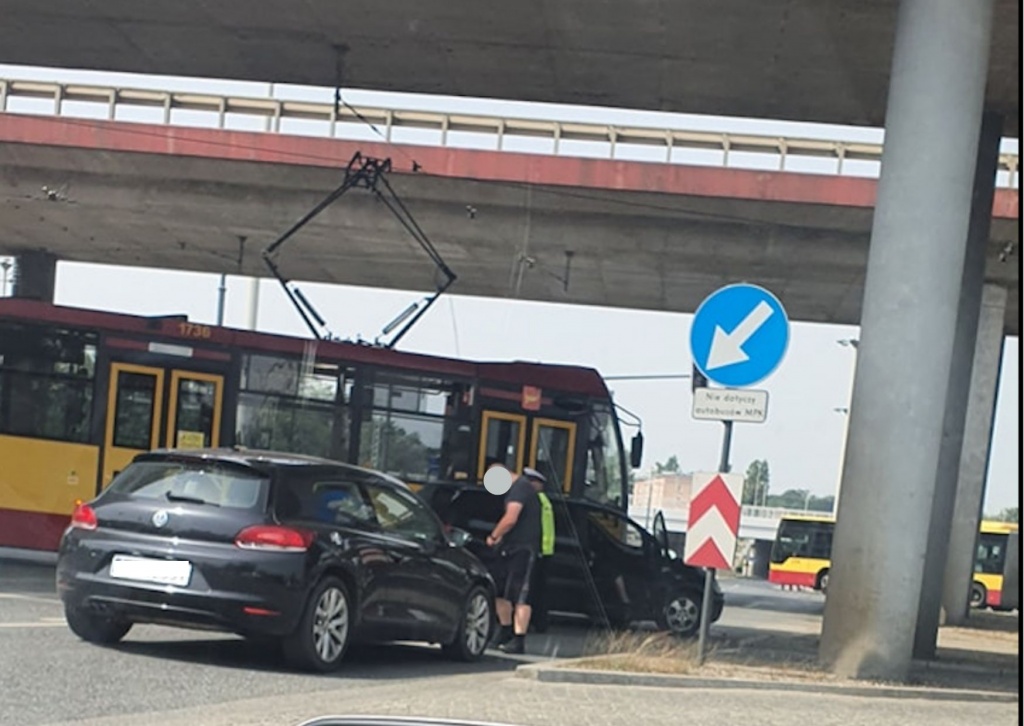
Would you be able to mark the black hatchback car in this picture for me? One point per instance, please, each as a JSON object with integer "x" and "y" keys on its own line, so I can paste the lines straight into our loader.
{"x": 308, "y": 552}
{"x": 605, "y": 566}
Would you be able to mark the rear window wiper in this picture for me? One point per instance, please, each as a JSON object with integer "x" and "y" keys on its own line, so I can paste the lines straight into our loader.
{"x": 185, "y": 498}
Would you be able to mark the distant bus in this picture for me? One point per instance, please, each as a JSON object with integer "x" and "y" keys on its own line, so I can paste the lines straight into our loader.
{"x": 990, "y": 565}
{"x": 801, "y": 556}
{"x": 801, "y": 552}
{"x": 83, "y": 392}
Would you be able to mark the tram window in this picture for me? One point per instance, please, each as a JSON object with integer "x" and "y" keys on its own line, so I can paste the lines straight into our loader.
{"x": 133, "y": 415}
{"x": 285, "y": 424}
{"x": 46, "y": 382}
{"x": 501, "y": 437}
{"x": 410, "y": 393}
{"x": 417, "y": 428}
{"x": 552, "y": 447}
{"x": 196, "y": 403}
{"x": 405, "y": 446}
{"x": 289, "y": 377}
{"x": 288, "y": 406}
{"x": 604, "y": 459}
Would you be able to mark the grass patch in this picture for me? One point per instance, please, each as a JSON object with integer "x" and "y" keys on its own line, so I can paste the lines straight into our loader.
{"x": 664, "y": 654}
{"x": 640, "y": 653}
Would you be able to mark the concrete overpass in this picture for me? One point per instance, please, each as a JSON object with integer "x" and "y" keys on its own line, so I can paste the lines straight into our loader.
{"x": 642, "y": 235}
{"x": 803, "y": 60}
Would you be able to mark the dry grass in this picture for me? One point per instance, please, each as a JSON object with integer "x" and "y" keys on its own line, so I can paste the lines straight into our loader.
{"x": 661, "y": 653}
{"x": 640, "y": 653}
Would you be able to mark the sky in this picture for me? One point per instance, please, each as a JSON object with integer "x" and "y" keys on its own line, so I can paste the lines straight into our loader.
{"x": 803, "y": 436}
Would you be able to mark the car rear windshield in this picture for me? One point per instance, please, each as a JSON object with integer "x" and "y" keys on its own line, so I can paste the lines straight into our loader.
{"x": 199, "y": 482}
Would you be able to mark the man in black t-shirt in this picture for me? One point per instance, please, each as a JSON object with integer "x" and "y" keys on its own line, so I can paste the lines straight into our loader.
{"x": 517, "y": 539}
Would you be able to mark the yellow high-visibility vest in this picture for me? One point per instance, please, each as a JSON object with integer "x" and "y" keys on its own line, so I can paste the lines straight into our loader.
{"x": 547, "y": 526}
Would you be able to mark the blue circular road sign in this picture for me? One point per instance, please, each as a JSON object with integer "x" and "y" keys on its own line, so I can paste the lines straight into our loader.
{"x": 739, "y": 335}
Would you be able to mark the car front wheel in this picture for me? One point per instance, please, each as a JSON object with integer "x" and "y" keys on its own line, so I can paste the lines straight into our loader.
{"x": 94, "y": 627}
{"x": 474, "y": 630}
{"x": 680, "y": 614}
{"x": 320, "y": 641}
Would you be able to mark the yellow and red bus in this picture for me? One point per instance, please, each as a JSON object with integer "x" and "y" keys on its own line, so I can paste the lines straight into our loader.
{"x": 801, "y": 556}
{"x": 990, "y": 565}
{"x": 83, "y": 392}
{"x": 801, "y": 551}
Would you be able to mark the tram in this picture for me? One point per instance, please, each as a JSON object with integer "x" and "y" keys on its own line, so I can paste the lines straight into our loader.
{"x": 82, "y": 392}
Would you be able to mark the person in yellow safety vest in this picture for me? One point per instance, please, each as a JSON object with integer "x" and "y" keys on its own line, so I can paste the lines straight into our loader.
{"x": 547, "y": 548}
{"x": 515, "y": 540}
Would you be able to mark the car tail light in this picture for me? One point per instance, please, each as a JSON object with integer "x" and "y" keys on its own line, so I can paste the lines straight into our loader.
{"x": 84, "y": 517}
{"x": 274, "y": 537}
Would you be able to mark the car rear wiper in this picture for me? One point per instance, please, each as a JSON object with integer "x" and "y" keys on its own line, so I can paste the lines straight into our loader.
{"x": 185, "y": 498}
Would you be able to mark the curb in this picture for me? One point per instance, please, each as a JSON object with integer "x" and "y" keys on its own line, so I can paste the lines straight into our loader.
{"x": 546, "y": 673}
{"x": 973, "y": 668}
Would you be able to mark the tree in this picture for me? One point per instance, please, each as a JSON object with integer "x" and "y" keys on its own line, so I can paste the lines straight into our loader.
{"x": 791, "y": 499}
{"x": 1010, "y": 514}
{"x": 671, "y": 466}
{"x": 385, "y": 445}
{"x": 822, "y": 504}
{"x": 755, "y": 484}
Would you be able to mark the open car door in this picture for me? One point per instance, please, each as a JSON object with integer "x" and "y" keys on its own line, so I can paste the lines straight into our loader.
{"x": 660, "y": 532}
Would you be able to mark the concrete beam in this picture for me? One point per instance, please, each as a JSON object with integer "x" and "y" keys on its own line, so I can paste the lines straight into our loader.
{"x": 644, "y": 235}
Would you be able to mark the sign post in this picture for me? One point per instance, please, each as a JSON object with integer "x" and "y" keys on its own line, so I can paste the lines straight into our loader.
{"x": 738, "y": 338}
{"x": 711, "y": 530}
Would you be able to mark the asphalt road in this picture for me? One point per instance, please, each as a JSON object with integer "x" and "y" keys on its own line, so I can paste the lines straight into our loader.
{"x": 171, "y": 677}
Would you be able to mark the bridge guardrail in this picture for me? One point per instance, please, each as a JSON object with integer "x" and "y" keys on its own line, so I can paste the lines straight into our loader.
{"x": 342, "y": 121}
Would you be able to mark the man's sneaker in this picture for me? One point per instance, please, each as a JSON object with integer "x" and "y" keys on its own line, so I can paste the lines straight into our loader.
{"x": 516, "y": 646}
{"x": 502, "y": 636}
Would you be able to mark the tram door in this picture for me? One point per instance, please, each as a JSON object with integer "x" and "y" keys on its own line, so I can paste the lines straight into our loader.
{"x": 503, "y": 437}
{"x": 150, "y": 408}
{"x": 552, "y": 444}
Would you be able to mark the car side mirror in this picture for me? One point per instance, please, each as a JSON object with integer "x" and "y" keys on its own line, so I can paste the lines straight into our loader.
{"x": 636, "y": 450}
{"x": 458, "y": 537}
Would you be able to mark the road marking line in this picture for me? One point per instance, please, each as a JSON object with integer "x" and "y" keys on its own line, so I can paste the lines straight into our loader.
{"x": 40, "y": 624}
{"x": 29, "y": 598}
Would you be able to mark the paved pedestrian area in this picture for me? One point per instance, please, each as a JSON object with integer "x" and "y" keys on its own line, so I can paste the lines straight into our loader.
{"x": 503, "y": 698}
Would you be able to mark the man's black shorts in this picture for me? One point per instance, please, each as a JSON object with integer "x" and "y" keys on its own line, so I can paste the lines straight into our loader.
{"x": 512, "y": 572}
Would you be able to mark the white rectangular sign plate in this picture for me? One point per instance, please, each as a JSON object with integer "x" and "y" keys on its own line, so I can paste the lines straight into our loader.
{"x": 728, "y": 404}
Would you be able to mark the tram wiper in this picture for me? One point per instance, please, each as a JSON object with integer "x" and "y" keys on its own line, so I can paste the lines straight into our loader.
{"x": 185, "y": 498}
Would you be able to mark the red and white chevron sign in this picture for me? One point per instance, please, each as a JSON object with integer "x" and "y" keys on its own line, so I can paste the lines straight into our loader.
{"x": 714, "y": 520}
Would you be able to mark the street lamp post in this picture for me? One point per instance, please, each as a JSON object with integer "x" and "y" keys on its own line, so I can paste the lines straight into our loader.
{"x": 6, "y": 265}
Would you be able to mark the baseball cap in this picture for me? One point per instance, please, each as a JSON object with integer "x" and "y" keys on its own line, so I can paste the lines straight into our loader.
{"x": 534, "y": 474}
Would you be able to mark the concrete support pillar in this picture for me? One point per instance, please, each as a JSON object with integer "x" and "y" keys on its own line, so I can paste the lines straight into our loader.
{"x": 911, "y": 300}
{"x": 957, "y": 392}
{"x": 35, "y": 275}
{"x": 970, "y": 493}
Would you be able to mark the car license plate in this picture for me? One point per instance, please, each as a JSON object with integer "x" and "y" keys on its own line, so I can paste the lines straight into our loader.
{"x": 144, "y": 569}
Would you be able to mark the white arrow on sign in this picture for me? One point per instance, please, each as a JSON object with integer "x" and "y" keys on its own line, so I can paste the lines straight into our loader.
{"x": 727, "y": 348}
